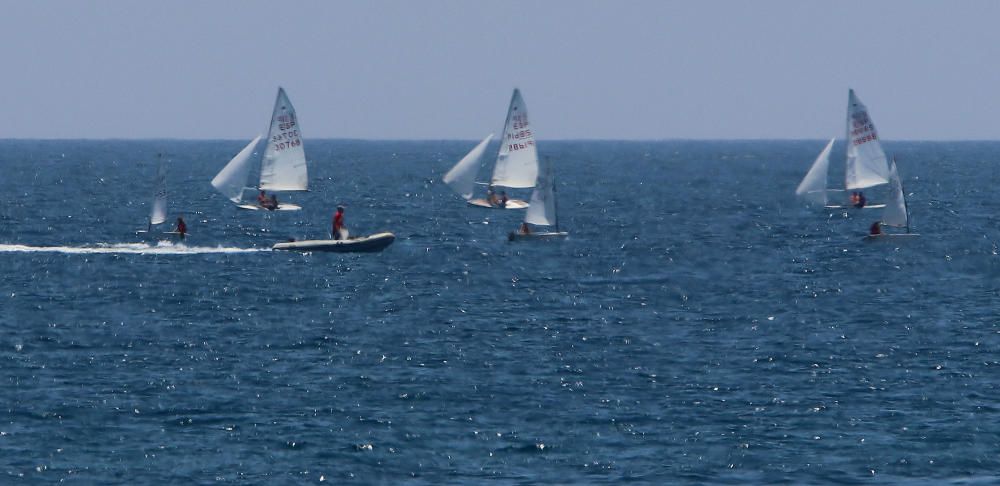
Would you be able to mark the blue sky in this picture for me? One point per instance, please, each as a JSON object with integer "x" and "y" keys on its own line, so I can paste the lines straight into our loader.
{"x": 445, "y": 69}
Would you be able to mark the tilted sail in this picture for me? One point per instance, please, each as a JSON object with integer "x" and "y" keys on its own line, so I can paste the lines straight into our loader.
{"x": 813, "y": 185}
{"x": 462, "y": 177}
{"x": 158, "y": 214}
{"x": 866, "y": 163}
{"x": 517, "y": 160}
{"x": 542, "y": 207}
{"x": 894, "y": 213}
{"x": 284, "y": 164}
{"x": 231, "y": 180}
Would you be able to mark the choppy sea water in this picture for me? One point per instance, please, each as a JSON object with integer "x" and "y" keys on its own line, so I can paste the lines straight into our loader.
{"x": 700, "y": 325}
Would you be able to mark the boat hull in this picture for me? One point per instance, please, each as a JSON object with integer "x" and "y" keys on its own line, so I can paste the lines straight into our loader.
{"x": 363, "y": 244}
{"x": 890, "y": 236}
{"x": 541, "y": 236}
{"x": 868, "y": 206}
{"x": 281, "y": 207}
{"x": 511, "y": 204}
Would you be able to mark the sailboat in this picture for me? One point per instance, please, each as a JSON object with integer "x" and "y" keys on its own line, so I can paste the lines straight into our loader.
{"x": 542, "y": 211}
{"x": 516, "y": 162}
{"x": 158, "y": 211}
{"x": 865, "y": 164}
{"x": 282, "y": 166}
{"x": 895, "y": 213}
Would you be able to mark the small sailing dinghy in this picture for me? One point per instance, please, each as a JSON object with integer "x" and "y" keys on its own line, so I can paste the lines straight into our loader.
{"x": 896, "y": 213}
{"x": 541, "y": 212}
{"x": 363, "y": 244}
{"x": 516, "y": 162}
{"x": 865, "y": 164}
{"x": 158, "y": 211}
{"x": 282, "y": 166}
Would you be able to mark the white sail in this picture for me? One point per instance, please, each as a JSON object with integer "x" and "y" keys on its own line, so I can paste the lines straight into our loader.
{"x": 231, "y": 180}
{"x": 158, "y": 214}
{"x": 517, "y": 160}
{"x": 894, "y": 213}
{"x": 866, "y": 163}
{"x": 542, "y": 208}
{"x": 462, "y": 177}
{"x": 813, "y": 185}
{"x": 284, "y": 164}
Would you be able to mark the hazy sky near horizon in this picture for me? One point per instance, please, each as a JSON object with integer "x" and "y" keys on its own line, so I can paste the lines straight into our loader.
{"x": 927, "y": 70}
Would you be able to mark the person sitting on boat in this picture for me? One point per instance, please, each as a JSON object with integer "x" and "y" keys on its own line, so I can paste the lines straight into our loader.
{"x": 860, "y": 203}
{"x": 182, "y": 228}
{"x": 503, "y": 199}
{"x": 273, "y": 203}
{"x": 262, "y": 199}
{"x": 854, "y": 198}
{"x": 876, "y": 228}
{"x": 491, "y": 195}
{"x": 525, "y": 229}
{"x": 338, "y": 222}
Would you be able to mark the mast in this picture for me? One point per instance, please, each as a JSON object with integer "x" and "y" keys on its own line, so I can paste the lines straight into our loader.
{"x": 902, "y": 190}
{"x": 555, "y": 200}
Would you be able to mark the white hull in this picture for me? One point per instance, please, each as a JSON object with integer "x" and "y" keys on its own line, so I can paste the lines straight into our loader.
{"x": 890, "y": 236}
{"x": 281, "y": 207}
{"x": 867, "y": 206}
{"x": 158, "y": 233}
{"x": 511, "y": 204}
{"x": 372, "y": 243}
{"x": 552, "y": 235}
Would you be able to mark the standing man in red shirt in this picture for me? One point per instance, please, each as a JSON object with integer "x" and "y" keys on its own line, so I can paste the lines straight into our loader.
{"x": 338, "y": 222}
{"x": 182, "y": 228}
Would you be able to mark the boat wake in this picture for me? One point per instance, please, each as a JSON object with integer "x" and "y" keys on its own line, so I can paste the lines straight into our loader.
{"x": 161, "y": 248}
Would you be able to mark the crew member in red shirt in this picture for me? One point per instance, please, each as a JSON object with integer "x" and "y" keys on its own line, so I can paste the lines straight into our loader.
{"x": 338, "y": 222}
{"x": 876, "y": 228}
{"x": 182, "y": 228}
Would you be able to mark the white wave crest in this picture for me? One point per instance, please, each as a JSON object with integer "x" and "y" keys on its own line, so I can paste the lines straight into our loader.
{"x": 161, "y": 248}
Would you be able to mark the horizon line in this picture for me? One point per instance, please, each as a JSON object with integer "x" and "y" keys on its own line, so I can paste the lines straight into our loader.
{"x": 559, "y": 140}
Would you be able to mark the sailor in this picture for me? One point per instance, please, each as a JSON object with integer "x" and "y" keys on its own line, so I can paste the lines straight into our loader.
{"x": 262, "y": 199}
{"x": 338, "y": 222}
{"x": 491, "y": 195}
{"x": 503, "y": 199}
{"x": 182, "y": 228}
{"x": 876, "y": 228}
{"x": 861, "y": 200}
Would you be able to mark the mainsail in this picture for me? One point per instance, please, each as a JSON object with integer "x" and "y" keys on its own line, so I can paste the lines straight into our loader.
{"x": 517, "y": 160}
{"x": 894, "y": 213}
{"x": 866, "y": 163}
{"x": 542, "y": 210}
{"x": 232, "y": 179}
{"x": 813, "y": 185}
{"x": 158, "y": 214}
{"x": 462, "y": 177}
{"x": 284, "y": 165}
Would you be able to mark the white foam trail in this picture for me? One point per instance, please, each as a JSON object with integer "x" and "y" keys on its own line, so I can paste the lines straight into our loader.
{"x": 161, "y": 248}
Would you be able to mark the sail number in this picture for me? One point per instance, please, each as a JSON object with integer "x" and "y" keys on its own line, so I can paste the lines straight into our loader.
{"x": 283, "y": 136}
{"x": 520, "y": 146}
{"x": 279, "y": 146}
{"x": 519, "y": 135}
{"x": 862, "y": 125}
{"x": 865, "y": 139}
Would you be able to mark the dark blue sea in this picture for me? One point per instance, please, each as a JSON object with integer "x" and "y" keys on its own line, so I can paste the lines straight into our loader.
{"x": 700, "y": 326}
